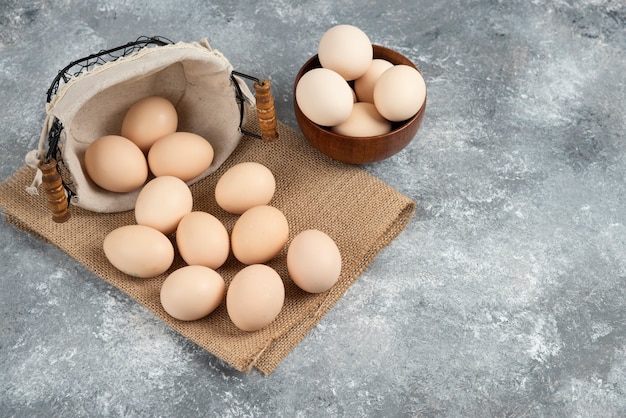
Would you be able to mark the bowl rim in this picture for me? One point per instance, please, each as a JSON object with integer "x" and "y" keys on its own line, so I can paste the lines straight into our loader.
{"x": 402, "y": 125}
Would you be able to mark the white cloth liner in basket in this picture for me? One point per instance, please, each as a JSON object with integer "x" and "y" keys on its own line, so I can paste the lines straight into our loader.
{"x": 193, "y": 76}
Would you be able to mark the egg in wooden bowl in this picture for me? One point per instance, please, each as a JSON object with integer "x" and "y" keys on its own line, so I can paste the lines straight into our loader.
{"x": 361, "y": 148}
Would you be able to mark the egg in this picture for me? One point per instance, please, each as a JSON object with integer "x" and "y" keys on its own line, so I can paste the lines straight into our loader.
{"x": 139, "y": 250}
{"x": 313, "y": 261}
{"x": 363, "y": 121}
{"x": 347, "y": 50}
{"x": 244, "y": 186}
{"x": 149, "y": 119}
{"x": 162, "y": 203}
{"x": 364, "y": 85}
{"x": 115, "y": 164}
{"x": 255, "y": 297}
{"x": 399, "y": 93}
{"x": 203, "y": 240}
{"x": 180, "y": 154}
{"x": 324, "y": 97}
{"x": 259, "y": 234}
{"x": 192, "y": 292}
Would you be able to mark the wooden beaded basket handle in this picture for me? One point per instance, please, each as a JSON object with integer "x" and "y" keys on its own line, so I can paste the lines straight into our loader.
{"x": 58, "y": 191}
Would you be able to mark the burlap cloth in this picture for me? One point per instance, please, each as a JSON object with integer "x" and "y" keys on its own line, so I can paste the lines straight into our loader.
{"x": 360, "y": 212}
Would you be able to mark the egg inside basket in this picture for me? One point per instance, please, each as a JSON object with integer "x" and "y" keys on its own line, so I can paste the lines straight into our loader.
{"x": 199, "y": 81}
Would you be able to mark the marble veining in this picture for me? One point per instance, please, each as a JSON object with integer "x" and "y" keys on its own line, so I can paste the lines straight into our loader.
{"x": 504, "y": 296}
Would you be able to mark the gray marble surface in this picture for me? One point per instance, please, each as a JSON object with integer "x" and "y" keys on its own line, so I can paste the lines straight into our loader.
{"x": 505, "y": 295}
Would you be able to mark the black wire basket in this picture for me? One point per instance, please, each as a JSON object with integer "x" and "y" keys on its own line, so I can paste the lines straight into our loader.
{"x": 52, "y": 149}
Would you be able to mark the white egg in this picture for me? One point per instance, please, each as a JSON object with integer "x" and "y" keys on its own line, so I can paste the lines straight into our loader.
{"x": 324, "y": 97}
{"x": 347, "y": 50}
{"x": 364, "y": 85}
{"x": 363, "y": 121}
{"x": 399, "y": 93}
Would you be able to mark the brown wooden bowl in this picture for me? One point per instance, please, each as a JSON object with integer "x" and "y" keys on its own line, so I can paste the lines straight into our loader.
{"x": 359, "y": 150}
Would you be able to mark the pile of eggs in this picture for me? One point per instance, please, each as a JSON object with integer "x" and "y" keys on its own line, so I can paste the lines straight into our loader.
{"x": 355, "y": 94}
{"x": 166, "y": 222}
{"x": 148, "y": 142}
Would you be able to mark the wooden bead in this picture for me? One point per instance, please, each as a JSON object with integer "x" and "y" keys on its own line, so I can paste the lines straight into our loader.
{"x": 265, "y": 110}
{"x": 55, "y": 193}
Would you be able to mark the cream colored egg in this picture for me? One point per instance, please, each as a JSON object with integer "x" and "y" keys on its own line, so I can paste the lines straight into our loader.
{"x": 364, "y": 85}
{"x": 116, "y": 164}
{"x": 399, "y": 93}
{"x": 180, "y": 154}
{"x": 149, "y": 119}
{"x": 363, "y": 121}
{"x": 139, "y": 250}
{"x": 347, "y": 50}
{"x": 162, "y": 203}
{"x": 313, "y": 261}
{"x": 324, "y": 97}
{"x": 255, "y": 297}
{"x": 192, "y": 292}
{"x": 244, "y": 186}
{"x": 259, "y": 234}
{"x": 203, "y": 240}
